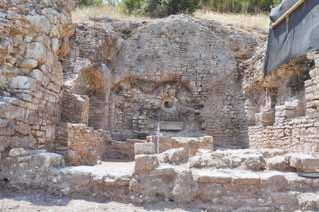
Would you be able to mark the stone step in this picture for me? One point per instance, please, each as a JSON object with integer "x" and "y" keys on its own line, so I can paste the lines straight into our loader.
{"x": 106, "y": 181}
{"x": 275, "y": 190}
{"x": 265, "y": 180}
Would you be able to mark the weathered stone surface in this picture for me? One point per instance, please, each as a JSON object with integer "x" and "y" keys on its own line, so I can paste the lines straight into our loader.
{"x": 190, "y": 144}
{"x": 190, "y": 83}
{"x": 185, "y": 188}
{"x": 18, "y": 152}
{"x": 174, "y": 156}
{"x": 244, "y": 159}
{"x": 304, "y": 163}
{"x": 280, "y": 163}
{"x": 39, "y": 23}
{"x": 37, "y": 51}
{"x": 29, "y": 64}
{"x": 75, "y": 108}
{"x": 144, "y": 148}
{"x": 85, "y": 145}
{"x": 31, "y": 72}
{"x": 145, "y": 163}
{"x": 23, "y": 83}
{"x": 122, "y": 150}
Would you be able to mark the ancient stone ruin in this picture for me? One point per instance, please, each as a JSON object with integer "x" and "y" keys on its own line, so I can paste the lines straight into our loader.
{"x": 174, "y": 109}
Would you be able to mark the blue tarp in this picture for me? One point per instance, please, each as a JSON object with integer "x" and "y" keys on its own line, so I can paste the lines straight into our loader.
{"x": 293, "y": 37}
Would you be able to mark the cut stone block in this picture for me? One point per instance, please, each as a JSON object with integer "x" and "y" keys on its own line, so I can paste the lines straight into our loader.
{"x": 172, "y": 126}
{"x": 144, "y": 148}
{"x": 145, "y": 163}
{"x": 191, "y": 144}
{"x": 304, "y": 163}
{"x": 75, "y": 108}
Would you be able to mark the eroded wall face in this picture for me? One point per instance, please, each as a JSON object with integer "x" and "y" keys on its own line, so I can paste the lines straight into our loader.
{"x": 33, "y": 38}
{"x": 177, "y": 70}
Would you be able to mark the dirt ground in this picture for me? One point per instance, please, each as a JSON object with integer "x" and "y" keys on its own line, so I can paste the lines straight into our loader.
{"x": 41, "y": 202}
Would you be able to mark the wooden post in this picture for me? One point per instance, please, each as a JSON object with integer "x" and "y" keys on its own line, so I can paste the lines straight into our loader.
{"x": 288, "y": 13}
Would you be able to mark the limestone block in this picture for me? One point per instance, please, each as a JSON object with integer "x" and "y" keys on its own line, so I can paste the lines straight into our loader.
{"x": 185, "y": 189}
{"x": 37, "y": 74}
{"x": 39, "y": 23}
{"x": 279, "y": 163}
{"x": 265, "y": 118}
{"x": 29, "y": 64}
{"x": 48, "y": 160}
{"x": 304, "y": 163}
{"x": 165, "y": 142}
{"x": 174, "y": 156}
{"x": 55, "y": 44}
{"x": 144, "y": 148}
{"x": 191, "y": 144}
{"x": 16, "y": 152}
{"x": 37, "y": 51}
{"x": 75, "y": 108}
{"x": 274, "y": 180}
{"x": 145, "y": 163}
{"x": 23, "y": 83}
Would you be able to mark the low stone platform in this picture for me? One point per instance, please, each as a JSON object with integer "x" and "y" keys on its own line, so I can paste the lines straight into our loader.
{"x": 247, "y": 180}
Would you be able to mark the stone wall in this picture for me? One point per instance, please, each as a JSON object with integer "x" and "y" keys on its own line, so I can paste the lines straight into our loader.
{"x": 75, "y": 108}
{"x": 181, "y": 71}
{"x": 33, "y": 38}
{"x": 295, "y": 126}
{"x": 85, "y": 145}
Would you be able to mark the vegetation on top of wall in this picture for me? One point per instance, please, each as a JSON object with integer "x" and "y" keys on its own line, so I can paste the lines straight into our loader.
{"x": 161, "y": 8}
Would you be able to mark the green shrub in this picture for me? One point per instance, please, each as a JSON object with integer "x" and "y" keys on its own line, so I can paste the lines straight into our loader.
{"x": 90, "y": 2}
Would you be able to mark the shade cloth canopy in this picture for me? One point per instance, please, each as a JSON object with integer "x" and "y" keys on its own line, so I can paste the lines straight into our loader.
{"x": 294, "y": 36}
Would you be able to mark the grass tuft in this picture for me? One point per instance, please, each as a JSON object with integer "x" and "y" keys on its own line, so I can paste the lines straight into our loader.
{"x": 259, "y": 21}
{"x": 83, "y": 14}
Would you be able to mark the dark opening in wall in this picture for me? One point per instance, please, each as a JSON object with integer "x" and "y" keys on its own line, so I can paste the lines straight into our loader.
{"x": 168, "y": 104}
{"x": 296, "y": 83}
